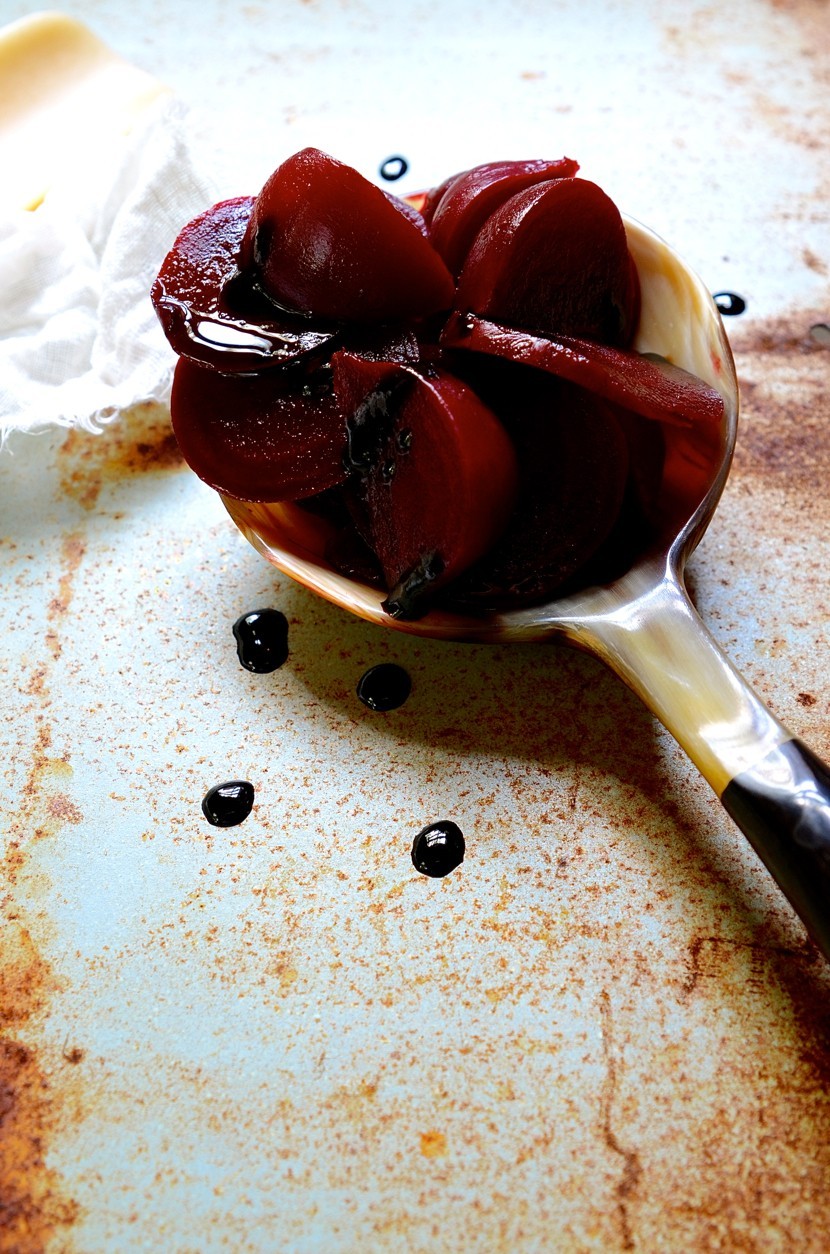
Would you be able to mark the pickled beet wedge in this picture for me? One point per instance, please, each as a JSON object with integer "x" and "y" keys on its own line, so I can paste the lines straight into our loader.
{"x": 650, "y": 386}
{"x": 573, "y": 474}
{"x": 646, "y": 442}
{"x": 435, "y": 474}
{"x": 325, "y": 241}
{"x": 268, "y": 437}
{"x": 208, "y": 315}
{"x": 470, "y": 198}
{"x": 554, "y": 260}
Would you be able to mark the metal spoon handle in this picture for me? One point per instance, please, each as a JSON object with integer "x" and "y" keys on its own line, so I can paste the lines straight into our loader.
{"x": 773, "y": 786}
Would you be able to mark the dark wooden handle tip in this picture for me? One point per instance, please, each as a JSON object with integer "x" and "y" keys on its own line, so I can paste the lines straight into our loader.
{"x": 782, "y": 805}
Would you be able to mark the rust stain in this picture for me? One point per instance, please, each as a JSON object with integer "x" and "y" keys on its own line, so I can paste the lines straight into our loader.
{"x": 25, "y": 978}
{"x": 779, "y": 996}
{"x": 433, "y": 1144}
{"x": 710, "y": 956}
{"x": 784, "y": 436}
{"x": 141, "y": 442}
{"x": 812, "y": 262}
{"x": 810, "y": 14}
{"x": 801, "y": 975}
{"x": 43, "y": 806}
{"x": 631, "y": 1167}
{"x": 34, "y": 1208}
{"x": 72, "y": 550}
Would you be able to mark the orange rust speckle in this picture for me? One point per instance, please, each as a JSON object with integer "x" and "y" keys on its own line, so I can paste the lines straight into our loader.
{"x": 631, "y": 1167}
{"x": 433, "y": 1144}
{"x": 784, "y": 438}
{"x": 43, "y": 806}
{"x": 24, "y": 976}
{"x": 141, "y": 442}
{"x": 812, "y": 262}
{"x": 35, "y": 686}
{"x": 32, "y": 1207}
{"x": 60, "y": 807}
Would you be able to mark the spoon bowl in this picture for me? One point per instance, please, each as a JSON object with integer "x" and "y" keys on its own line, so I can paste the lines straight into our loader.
{"x": 643, "y": 624}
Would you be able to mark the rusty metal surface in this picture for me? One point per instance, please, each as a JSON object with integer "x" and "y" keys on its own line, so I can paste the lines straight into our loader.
{"x": 606, "y": 1031}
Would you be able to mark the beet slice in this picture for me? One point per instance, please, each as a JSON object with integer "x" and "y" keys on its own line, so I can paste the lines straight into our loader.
{"x": 650, "y": 386}
{"x": 208, "y": 315}
{"x": 573, "y": 474}
{"x": 325, "y": 241}
{"x": 638, "y": 521}
{"x": 435, "y": 474}
{"x": 646, "y": 442}
{"x": 554, "y": 259}
{"x": 468, "y": 201}
{"x": 429, "y": 201}
{"x": 276, "y": 436}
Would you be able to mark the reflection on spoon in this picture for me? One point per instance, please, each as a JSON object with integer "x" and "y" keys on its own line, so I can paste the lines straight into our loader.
{"x": 644, "y": 625}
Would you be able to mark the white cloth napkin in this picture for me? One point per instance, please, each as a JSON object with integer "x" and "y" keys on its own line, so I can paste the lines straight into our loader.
{"x": 79, "y": 339}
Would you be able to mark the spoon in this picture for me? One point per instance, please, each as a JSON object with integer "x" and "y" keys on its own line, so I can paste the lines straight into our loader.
{"x": 644, "y": 625}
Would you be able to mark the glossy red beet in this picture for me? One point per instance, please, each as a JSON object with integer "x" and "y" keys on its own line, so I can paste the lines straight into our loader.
{"x": 553, "y": 259}
{"x": 573, "y": 472}
{"x": 435, "y": 470}
{"x": 325, "y": 241}
{"x": 649, "y": 386}
{"x": 206, "y": 313}
{"x": 427, "y": 202}
{"x": 646, "y": 442}
{"x": 267, "y": 437}
{"x": 469, "y": 199}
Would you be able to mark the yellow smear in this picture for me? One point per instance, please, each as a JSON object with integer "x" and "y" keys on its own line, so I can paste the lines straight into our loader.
{"x": 65, "y": 95}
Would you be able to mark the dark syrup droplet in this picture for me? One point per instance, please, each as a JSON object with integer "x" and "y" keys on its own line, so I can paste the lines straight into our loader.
{"x": 729, "y": 303}
{"x": 438, "y": 849}
{"x": 384, "y": 687}
{"x": 230, "y": 803}
{"x": 261, "y": 640}
{"x": 394, "y": 168}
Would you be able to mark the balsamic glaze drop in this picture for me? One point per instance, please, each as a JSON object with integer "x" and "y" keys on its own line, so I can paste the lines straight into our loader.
{"x": 230, "y": 803}
{"x": 438, "y": 849}
{"x": 261, "y": 640}
{"x": 394, "y": 168}
{"x": 729, "y": 303}
{"x": 368, "y": 427}
{"x": 406, "y": 600}
{"x": 384, "y": 687}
